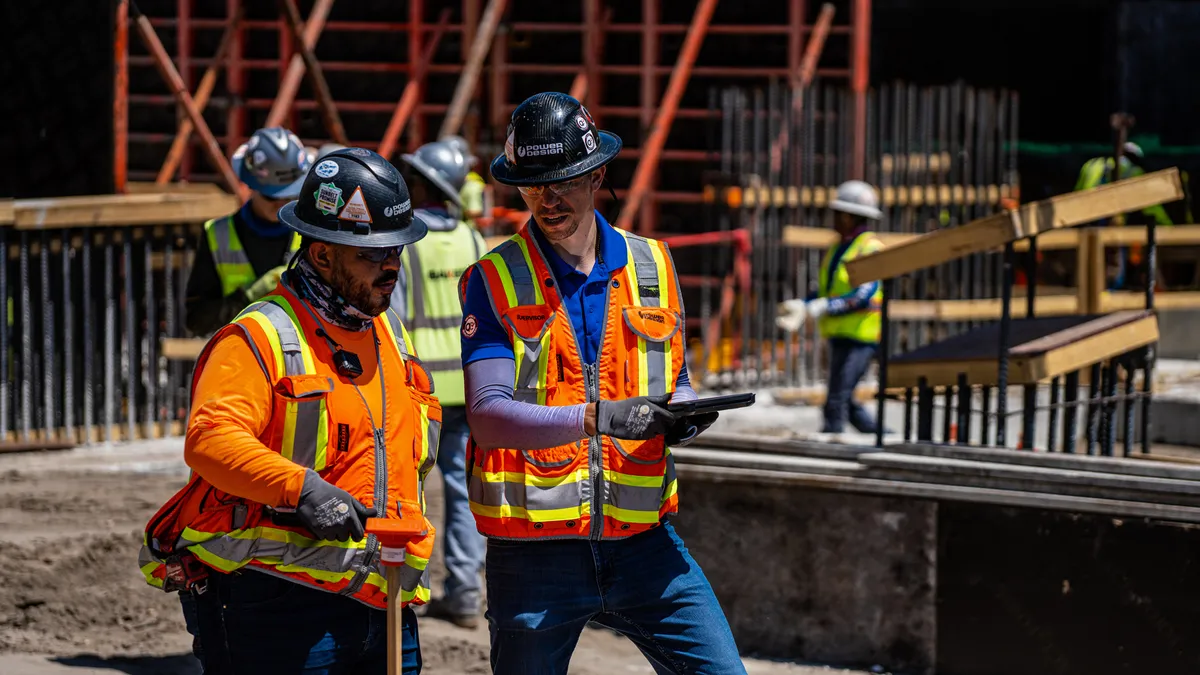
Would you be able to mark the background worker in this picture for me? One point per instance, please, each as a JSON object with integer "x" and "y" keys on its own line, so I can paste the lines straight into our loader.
{"x": 427, "y": 298}
{"x": 239, "y": 257}
{"x": 848, "y": 317}
{"x": 308, "y": 418}
{"x": 573, "y": 340}
{"x": 471, "y": 186}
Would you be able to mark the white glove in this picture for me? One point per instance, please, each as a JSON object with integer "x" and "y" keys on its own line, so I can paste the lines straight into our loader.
{"x": 817, "y": 307}
{"x": 790, "y": 315}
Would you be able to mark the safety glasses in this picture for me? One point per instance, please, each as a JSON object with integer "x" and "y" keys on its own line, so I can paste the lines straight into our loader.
{"x": 560, "y": 189}
{"x": 380, "y": 255}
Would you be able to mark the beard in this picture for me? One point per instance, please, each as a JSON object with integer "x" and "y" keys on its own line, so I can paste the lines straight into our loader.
{"x": 562, "y": 230}
{"x": 365, "y": 296}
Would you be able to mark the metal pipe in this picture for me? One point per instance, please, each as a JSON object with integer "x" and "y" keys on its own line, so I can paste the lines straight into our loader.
{"x": 1130, "y": 375}
{"x": 860, "y": 68}
{"x": 207, "y": 83}
{"x": 1071, "y": 412}
{"x": 924, "y": 412}
{"x": 408, "y": 100}
{"x": 1052, "y": 424}
{"x": 465, "y": 89}
{"x": 985, "y": 419}
{"x": 316, "y": 76}
{"x": 290, "y": 84}
{"x": 1005, "y": 332}
{"x": 1110, "y": 409}
{"x": 1093, "y": 408}
{"x": 171, "y": 76}
{"x": 121, "y": 97}
{"x": 235, "y": 80}
{"x": 948, "y": 421}
{"x": 648, "y": 165}
{"x": 908, "y": 411}
{"x": 964, "y": 410}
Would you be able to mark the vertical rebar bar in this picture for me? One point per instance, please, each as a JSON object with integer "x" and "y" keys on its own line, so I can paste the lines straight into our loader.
{"x": 985, "y": 417}
{"x": 48, "y": 359}
{"x": 1052, "y": 423}
{"x": 5, "y": 341}
{"x": 89, "y": 339}
{"x": 24, "y": 284}
{"x": 1071, "y": 412}
{"x": 68, "y": 331}
{"x": 885, "y": 330}
{"x": 1129, "y": 402}
{"x": 131, "y": 341}
{"x": 110, "y": 336}
{"x": 1110, "y": 409}
{"x": 169, "y": 319}
{"x": 924, "y": 411}
{"x": 948, "y": 419}
{"x": 754, "y": 335}
{"x": 964, "y": 410}
{"x": 150, "y": 341}
{"x": 1093, "y": 409}
{"x": 1005, "y": 331}
{"x": 908, "y": 411}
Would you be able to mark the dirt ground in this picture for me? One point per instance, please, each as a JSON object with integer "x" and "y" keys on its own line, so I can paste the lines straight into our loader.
{"x": 72, "y": 600}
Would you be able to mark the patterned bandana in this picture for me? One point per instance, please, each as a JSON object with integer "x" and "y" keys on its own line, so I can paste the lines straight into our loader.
{"x": 329, "y": 303}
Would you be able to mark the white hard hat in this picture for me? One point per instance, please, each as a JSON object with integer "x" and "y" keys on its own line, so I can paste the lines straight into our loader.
{"x": 858, "y": 198}
{"x": 1134, "y": 149}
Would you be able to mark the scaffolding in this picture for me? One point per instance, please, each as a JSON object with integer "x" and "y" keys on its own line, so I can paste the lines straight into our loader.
{"x": 616, "y": 57}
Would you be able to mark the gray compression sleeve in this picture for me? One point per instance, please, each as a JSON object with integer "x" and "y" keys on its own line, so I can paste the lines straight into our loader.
{"x": 497, "y": 421}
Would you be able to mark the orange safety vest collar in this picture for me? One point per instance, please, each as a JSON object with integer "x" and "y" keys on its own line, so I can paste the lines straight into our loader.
{"x": 314, "y": 406}
{"x": 598, "y": 487}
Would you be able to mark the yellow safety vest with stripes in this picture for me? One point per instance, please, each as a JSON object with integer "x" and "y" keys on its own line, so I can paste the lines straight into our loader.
{"x": 228, "y": 534}
{"x": 433, "y": 311}
{"x": 229, "y": 256}
{"x": 863, "y": 325}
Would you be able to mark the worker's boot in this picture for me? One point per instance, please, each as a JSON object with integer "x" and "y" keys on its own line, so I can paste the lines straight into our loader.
{"x": 443, "y": 609}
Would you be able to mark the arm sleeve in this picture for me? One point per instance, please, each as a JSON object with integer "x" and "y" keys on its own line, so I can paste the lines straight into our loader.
{"x": 231, "y": 409}
{"x": 206, "y": 308}
{"x": 683, "y": 387}
{"x": 482, "y": 335}
{"x": 497, "y": 421}
{"x": 859, "y": 300}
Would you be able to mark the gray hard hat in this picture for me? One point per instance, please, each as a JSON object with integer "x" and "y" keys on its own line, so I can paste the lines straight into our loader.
{"x": 272, "y": 162}
{"x": 1134, "y": 150}
{"x": 462, "y": 146}
{"x": 858, "y": 198}
{"x": 442, "y": 165}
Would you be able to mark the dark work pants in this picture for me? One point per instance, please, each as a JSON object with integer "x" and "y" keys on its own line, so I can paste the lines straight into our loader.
{"x": 848, "y": 362}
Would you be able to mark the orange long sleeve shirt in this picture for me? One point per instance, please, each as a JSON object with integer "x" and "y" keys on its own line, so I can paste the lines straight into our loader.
{"x": 232, "y": 407}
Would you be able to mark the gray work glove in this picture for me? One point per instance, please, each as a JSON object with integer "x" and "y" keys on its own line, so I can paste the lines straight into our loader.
{"x": 329, "y": 511}
{"x": 266, "y": 283}
{"x": 635, "y": 419}
{"x": 686, "y": 429}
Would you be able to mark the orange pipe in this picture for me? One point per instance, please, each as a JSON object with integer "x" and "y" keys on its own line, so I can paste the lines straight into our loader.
{"x": 657, "y": 138}
{"x": 203, "y": 92}
{"x": 860, "y": 67}
{"x": 579, "y": 87}
{"x": 464, "y": 91}
{"x": 295, "y": 72}
{"x": 167, "y": 69}
{"x": 121, "y": 98}
{"x": 316, "y": 76}
{"x": 408, "y": 100}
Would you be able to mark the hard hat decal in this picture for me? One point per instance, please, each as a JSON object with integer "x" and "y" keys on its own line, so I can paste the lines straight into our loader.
{"x": 508, "y": 148}
{"x": 252, "y": 143}
{"x": 581, "y": 123}
{"x": 279, "y": 137}
{"x": 589, "y": 142}
{"x": 329, "y": 198}
{"x": 259, "y": 157}
{"x": 359, "y": 152}
{"x": 356, "y": 209}
{"x": 326, "y": 169}
{"x": 540, "y": 150}
{"x": 397, "y": 209}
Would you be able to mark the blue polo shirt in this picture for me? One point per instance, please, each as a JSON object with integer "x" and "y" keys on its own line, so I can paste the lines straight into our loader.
{"x": 582, "y": 296}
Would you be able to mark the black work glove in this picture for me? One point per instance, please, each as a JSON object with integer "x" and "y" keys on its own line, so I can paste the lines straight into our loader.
{"x": 635, "y": 419}
{"x": 329, "y": 511}
{"x": 686, "y": 429}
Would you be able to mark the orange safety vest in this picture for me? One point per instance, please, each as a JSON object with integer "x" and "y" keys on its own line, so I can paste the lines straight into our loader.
{"x": 598, "y": 487}
{"x": 313, "y": 407}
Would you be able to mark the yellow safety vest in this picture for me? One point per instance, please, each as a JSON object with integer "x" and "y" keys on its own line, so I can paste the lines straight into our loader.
{"x": 233, "y": 267}
{"x": 433, "y": 312}
{"x": 863, "y": 325}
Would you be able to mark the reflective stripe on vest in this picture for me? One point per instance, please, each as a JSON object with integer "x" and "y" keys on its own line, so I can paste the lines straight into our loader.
{"x": 334, "y": 564}
{"x": 433, "y": 267}
{"x": 621, "y": 487}
{"x": 229, "y": 256}
{"x": 863, "y": 325}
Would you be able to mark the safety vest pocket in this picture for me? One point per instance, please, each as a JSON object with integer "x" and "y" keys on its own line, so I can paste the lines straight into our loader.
{"x": 304, "y": 400}
{"x": 653, "y": 324}
{"x": 533, "y": 349}
{"x": 641, "y": 452}
{"x": 651, "y": 347}
{"x": 554, "y": 458}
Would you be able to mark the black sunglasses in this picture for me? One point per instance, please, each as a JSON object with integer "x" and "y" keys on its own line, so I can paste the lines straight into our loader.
{"x": 380, "y": 255}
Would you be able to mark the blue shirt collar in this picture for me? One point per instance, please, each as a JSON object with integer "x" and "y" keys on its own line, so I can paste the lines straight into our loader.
{"x": 263, "y": 228}
{"x": 613, "y": 254}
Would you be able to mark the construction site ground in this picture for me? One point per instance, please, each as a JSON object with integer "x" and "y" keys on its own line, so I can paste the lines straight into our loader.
{"x": 72, "y": 600}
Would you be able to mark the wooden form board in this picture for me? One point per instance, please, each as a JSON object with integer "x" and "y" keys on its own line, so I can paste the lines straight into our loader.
{"x": 119, "y": 210}
{"x": 1074, "y": 346}
{"x": 796, "y": 236}
{"x": 985, "y": 234}
{"x": 182, "y": 349}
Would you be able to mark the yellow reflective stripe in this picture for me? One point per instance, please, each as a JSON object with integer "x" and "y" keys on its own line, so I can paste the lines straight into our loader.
{"x": 631, "y": 274}
{"x": 537, "y": 287}
{"x": 632, "y": 480}
{"x": 628, "y": 516}
{"x": 288, "y": 448}
{"x": 531, "y": 480}
{"x": 148, "y": 570}
{"x": 305, "y": 351}
{"x": 422, "y": 428}
{"x": 415, "y": 561}
{"x": 509, "y": 511}
{"x": 419, "y": 593}
{"x": 505, "y": 280}
{"x": 272, "y": 337}
{"x": 321, "y": 458}
{"x": 672, "y": 488}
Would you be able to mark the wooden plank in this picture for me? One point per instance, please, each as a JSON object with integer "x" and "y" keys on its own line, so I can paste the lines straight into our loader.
{"x": 34, "y": 446}
{"x": 121, "y": 210}
{"x": 795, "y": 236}
{"x": 1073, "y": 334}
{"x": 182, "y": 349}
{"x": 1087, "y": 351}
{"x": 1112, "y": 301}
{"x": 6, "y": 211}
{"x": 981, "y": 309}
{"x": 150, "y": 187}
{"x": 984, "y": 234}
{"x": 1176, "y": 235}
{"x": 942, "y": 373}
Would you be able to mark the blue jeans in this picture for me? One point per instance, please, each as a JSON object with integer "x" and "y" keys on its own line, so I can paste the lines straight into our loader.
{"x": 541, "y": 594}
{"x": 848, "y": 362}
{"x": 258, "y": 624}
{"x": 464, "y": 545}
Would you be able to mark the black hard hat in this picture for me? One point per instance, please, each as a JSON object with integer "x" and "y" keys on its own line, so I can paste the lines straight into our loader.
{"x": 552, "y": 138}
{"x": 354, "y": 197}
{"x": 441, "y": 165}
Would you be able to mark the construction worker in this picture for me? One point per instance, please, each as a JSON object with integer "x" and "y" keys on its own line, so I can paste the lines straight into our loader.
{"x": 573, "y": 344}
{"x": 310, "y": 415}
{"x": 1099, "y": 171}
{"x": 848, "y": 316}
{"x": 427, "y": 299}
{"x": 471, "y": 187}
{"x": 239, "y": 257}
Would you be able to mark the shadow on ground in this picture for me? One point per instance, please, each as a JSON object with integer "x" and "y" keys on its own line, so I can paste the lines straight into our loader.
{"x": 179, "y": 664}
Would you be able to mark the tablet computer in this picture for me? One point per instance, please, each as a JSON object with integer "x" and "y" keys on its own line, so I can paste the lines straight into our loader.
{"x": 711, "y": 404}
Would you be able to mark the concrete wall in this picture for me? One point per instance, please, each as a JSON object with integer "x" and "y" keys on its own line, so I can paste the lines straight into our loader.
{"x": 1178, "y": 330}
{"x": 820, "y": 576}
